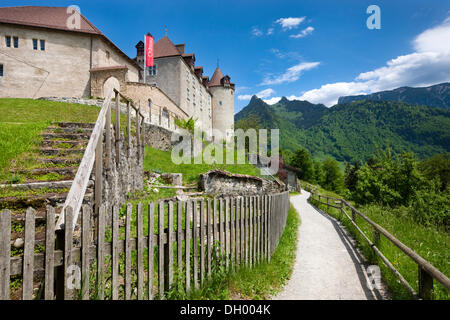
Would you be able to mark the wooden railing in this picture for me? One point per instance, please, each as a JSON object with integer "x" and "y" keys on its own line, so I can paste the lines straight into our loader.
{"x": 94, "y": 153}
{"x": 426, "y": 271}
{"x": 193, "y": 238}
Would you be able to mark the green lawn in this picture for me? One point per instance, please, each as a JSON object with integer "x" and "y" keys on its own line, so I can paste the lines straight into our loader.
{"x": 23, "y": 120}
{"x": 156, "y": 160}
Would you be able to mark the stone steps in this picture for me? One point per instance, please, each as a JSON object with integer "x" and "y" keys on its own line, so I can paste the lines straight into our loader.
{"x": 59, "y": 152}
{"x": 75, "y": 125}
{"x": 36, "y": 201}
{"x": 41, "y": 171}
{"x": 72, "y": 143}
{"x": 71, "y": 136}
{"x": 59, "y": 161}
{"x": 54, "y": 129}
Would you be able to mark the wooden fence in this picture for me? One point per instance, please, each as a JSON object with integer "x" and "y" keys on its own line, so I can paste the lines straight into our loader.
{"x": 426, "y": 271}
{"x": 146, "y": 250}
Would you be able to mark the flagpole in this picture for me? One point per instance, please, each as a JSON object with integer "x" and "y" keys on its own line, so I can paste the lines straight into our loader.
{"x": 145, "y": 58}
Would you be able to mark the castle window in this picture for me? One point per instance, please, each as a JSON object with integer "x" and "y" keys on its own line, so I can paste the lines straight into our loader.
{"x": 42, "y": 45}
{"x": 152, "y": 70}
{"x": 8, "y": 41}
{"x": 220, "y": 103}
{"x": 149, "y": 103}
{"x": 16, "y": 42}
{"x": 35, "y": 44}
{"x": 107, "y": 55}
{"x": 1, "y": 70}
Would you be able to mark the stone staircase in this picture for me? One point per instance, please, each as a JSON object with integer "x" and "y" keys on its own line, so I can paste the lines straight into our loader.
{"x": 46, "y": 179}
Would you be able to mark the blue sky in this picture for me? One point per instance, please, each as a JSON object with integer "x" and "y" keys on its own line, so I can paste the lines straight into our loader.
{"x": 312, "y": 50}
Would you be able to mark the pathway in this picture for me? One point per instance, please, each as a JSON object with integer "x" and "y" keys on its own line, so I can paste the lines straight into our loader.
{"x": 327, "y": 265}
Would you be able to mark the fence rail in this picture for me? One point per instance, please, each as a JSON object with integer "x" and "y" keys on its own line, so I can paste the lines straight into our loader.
{"x": 426, "y": 271}
{"x": 145, "y": 250}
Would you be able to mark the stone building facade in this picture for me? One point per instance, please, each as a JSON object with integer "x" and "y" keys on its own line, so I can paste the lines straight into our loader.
{"x": 211, "y": 102}
{"x": 42, "y": 57}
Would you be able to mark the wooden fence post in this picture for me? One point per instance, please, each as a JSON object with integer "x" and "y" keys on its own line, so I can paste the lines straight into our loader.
{"x": 28, "y": 255}
{"x": 117, "y": 129}
{"x": 128, "y": 127}
{"x": 168, "y": 251}
{"x": 425, "y": 284}
{"x": 5, "y": 253}
{"x": 108, "y": 136}
{"x": 376, "y": 237}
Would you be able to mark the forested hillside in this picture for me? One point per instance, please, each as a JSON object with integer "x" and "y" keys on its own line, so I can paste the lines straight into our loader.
{"x": 433, "y": 96}
{"x": 352, "y": 132}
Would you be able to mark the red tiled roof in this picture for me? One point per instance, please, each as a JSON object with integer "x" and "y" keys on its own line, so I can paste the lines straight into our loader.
{"x": 52, "y": 18}
{"x": 165, "y": 48}
{"x": 216, "y": 77}
{"x": 45, "y": 17}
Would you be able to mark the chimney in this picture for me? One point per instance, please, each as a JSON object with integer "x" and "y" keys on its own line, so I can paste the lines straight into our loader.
{"x": 180, "y": 47}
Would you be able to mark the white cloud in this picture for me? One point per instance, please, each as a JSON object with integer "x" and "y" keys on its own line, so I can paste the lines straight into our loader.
{"x": 303, "y": 34}
{"x": 270, "y": 31}
{"x": 262, "y": 94}
{"x": 428, "y": 65}
{"x": 292, "y": 74}
{"x": 256, "y": 32}
{"x": 272, "y": 100}
{"x": 290, "y": 23}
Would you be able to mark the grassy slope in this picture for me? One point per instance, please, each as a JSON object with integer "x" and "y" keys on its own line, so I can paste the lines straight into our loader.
{"x": 162, "y": 161}
{"x": 22, "y": 121}
{"x": 263, "y": 280}
{"x": 429, "y": 242}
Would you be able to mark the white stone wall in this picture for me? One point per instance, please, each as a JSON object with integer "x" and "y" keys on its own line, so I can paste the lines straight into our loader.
{"x": 223, "y": 110}
{"x": 61, "y": 70}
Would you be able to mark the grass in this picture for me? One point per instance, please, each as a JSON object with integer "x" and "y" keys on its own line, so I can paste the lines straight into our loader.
{"x": 22, "y": 122}
{"x": 430, "y": 243}
{"x": 263, "y": 280}
{"x": 161, "y": 161}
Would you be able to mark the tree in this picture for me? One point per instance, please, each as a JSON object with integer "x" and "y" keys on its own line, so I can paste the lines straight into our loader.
{"x": 302, "y": 160}
{"x": 351, "y": 176}
{"x": 332, "y": 176}
{"x": 318, "y": 173}
{"x": 437, "y": 166}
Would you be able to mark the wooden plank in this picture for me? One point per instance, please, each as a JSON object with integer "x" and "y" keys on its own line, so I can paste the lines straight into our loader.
{"x": 232, "y": 232}
{"x": 269, "y": 228}
{"x": 77, "y": 190}
{"x": 226, "y": 232}
{"x": 210, "y": 234}
{"x": 98, "y": 186}
{"x": 49, "y": 254}
{"x": 257, "y": 229}
{"x": 215, "y": 220}
{"x": 195, "y": 242}
{"x": 151, "y": 249}
{"x": 108, "y": 137}
{"x": 242, "y": 230}
{"x": 117, "y": 129}
{"x": 85, "y": 244}
{"x": 115, "y": 253}
{"x": 101, "y": 253}
{"x": 170, "y": 242}
{"x": 128, "y": 252}
{"x": 140, "y": 253}
{"x": 138, "y": 135}
{"x": 180, "y": 206}
{"x": 202, "y": 241}
{"x": 251, "y": 230}
{"x": 161, "y": 249}
{"x": 68, "y": 244}
{"x": 221, "y": 226}
{"x": 128, "y": 127}
{"x": 28, "y": 255}
{"x": 143, "y": 136}
{"x": 188, "y": 246}
{"x": 5, "y": 253}
{"x": 246, "y": 213}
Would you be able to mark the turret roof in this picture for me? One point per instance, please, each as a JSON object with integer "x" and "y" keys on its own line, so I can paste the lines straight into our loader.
{"x": 216, "y": 78}
{"x": 165, "y": 48}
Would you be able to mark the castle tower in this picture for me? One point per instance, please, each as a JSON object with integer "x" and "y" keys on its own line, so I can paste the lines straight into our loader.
{"x": 222, "y": 103}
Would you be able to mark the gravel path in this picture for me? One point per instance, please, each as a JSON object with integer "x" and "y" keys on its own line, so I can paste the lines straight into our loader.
{"x": 327, "y": 265}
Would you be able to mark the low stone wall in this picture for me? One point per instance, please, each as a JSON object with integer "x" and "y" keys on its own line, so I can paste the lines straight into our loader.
{"x": 124, "y": 178}
{"x": 158, "y": 137}
{"x": 225, "y": 183}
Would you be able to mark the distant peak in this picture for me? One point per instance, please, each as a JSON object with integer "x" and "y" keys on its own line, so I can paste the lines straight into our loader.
{"x": 284, "y": 99}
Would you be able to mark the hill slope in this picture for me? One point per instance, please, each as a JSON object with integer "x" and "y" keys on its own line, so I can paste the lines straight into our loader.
{"x": 352, "y": 132}
{"x": 433, "y": 96}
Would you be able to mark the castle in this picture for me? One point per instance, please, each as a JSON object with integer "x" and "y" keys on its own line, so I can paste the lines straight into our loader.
{"x": 41, "y": 57}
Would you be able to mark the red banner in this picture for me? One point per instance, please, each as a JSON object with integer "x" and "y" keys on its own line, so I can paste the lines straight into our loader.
{"x": 149, "y": 50}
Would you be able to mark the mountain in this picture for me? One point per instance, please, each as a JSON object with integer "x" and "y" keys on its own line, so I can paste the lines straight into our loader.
{"x": 434, "y": 96}
{"x": 352, "y": 132}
